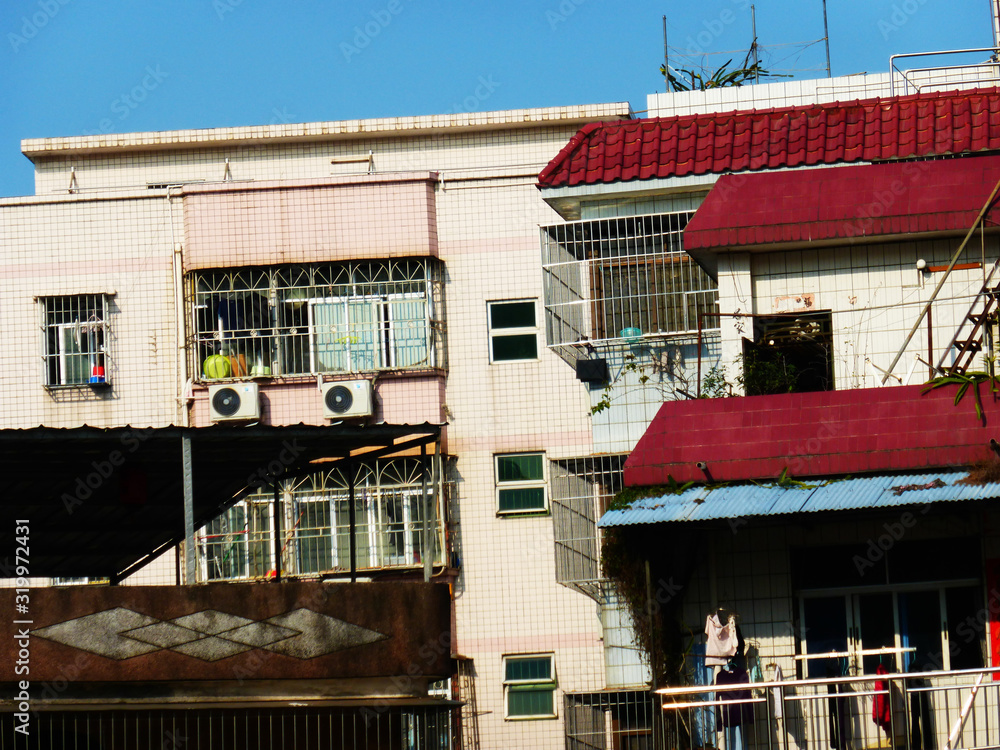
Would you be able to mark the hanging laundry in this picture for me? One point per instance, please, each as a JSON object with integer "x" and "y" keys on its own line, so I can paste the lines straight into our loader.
{"x": 779, "y": 708}
{"x": 722, "y": 640}
{"x": 734, "y": 717}
{"x": 882, "y": 703}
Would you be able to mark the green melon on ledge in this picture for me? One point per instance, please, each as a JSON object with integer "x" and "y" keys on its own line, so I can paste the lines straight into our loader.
{"x": 216, "y": 366}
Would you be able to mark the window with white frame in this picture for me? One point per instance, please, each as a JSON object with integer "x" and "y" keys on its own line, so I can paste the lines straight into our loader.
{"x": 529, "y": 686}
{"x": 521, "y": 483}
{"x": 301, "y": 320}
{"x": 389, "y": 510}
{"x": 513, "y": 331}
{"x": 75, "y": 338}
{"x": 916, "y": 606}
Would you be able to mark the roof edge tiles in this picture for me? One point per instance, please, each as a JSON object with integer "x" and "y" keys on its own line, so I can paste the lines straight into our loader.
{"x": 879, "y": 129}
{"x": 331, "y": 130}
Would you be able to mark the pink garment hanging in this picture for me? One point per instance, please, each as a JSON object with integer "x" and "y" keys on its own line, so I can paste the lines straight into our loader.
{"x": 722, "y": 640}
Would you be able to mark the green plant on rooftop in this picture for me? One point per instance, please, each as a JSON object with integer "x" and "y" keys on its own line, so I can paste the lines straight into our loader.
{"x": 721, "y": 78}
{"x": 965, "y": 381}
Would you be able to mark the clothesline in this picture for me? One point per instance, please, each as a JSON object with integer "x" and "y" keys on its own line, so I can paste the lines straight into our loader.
{"x": 862, "y": 652}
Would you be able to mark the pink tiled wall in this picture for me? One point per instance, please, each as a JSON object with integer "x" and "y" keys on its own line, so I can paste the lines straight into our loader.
{"x": 267, "y": 223}
{"x": 813, "y": 434}
{"x": 409, "y": 399}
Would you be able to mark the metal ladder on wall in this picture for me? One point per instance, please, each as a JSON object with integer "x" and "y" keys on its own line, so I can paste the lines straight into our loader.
{"x": 980, "y": 220}
{"x": 466, "y": 693}
{"x": 969, "y": 339}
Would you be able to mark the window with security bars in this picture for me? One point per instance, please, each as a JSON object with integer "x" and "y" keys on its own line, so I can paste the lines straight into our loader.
{"x": 529, "y": 683}
{"x": 520, "y": 482}
{"x": 389, "y": 509}
{"x": 302, "y": 320}
{"x": 75, "y": 339}
{"x": 623, "y": 278}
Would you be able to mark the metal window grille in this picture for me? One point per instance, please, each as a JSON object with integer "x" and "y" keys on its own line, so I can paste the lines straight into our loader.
{"x": 192, "y": 728}
{"x": 581, "y": 490}
{"x": 623, "y": 720}
{"x": 75, "y": 339}
{"x": 622, "y": 278}
{"x": 300, "y": 320}
{"x": 389, "y": 517}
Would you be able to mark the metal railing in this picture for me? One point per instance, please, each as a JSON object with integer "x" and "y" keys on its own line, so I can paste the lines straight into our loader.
{"x": 939, "y": 710}
{"x": 937, "y": 77}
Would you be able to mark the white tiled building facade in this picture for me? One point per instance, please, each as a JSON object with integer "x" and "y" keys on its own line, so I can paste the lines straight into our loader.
{"x": 135, "y": 221}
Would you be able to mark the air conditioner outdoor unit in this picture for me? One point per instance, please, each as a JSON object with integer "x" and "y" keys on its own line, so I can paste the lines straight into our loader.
{"x": 347, "y": 398}
{"x": 234, "y": 401}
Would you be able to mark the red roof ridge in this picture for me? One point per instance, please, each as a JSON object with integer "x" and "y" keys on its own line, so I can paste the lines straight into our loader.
{"x": 878, "y": 135}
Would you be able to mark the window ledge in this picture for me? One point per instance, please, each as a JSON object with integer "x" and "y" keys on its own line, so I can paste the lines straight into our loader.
{"x": 523, "y": 513}
{"x": 78, "y": 386}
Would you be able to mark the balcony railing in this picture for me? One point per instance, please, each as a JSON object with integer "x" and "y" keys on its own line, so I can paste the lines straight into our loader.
{"x": 942, "y": 710}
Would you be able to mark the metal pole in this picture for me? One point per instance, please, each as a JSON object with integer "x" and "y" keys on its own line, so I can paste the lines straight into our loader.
{"x": 826, "y": 38}
{"x": 426, "y": 551}
{"x": 930, "y": 345}
{"x": 944, "y": 277}
{"x": 666, "y": 64}
{"x": 753, "y": 43}
{"x": 188, "y": 476}
{"x": 352, "y": 521}
{"x": 276, "y": 522}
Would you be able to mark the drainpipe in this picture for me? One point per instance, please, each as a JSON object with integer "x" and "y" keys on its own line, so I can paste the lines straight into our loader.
{"x": 181, "y": 366}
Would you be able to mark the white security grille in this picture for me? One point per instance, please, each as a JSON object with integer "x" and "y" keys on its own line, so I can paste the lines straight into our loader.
{"x": 75, "y": 338}
{"x": 582, "y": 489}
{"x": 622, "y": 278}
{"x": 389, "y": 517}
{"x": 300, "y": 320}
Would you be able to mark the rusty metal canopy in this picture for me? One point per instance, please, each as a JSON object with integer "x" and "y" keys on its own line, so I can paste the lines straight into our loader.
{"x": 103, "y": 502}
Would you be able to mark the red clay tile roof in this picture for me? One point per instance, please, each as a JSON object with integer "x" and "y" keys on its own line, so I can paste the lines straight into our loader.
{"x": 864, "y": 200}
{"x": 870, "y": 130}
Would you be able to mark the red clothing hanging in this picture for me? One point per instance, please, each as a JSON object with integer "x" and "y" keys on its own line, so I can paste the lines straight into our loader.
{"x": 882, "y": 703}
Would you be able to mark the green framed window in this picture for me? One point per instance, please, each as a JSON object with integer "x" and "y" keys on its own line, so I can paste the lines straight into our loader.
{"x": 513, "y": 331}
{"x": 521, "y": 483}
{"x": 529, "y": 685}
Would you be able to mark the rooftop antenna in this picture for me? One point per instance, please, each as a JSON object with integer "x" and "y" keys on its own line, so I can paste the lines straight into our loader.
{"x": 995, "y": 12}
{"x": 753, "y": 44}
{"x": 666, "y": 67}
{"x": 826, "y": 38}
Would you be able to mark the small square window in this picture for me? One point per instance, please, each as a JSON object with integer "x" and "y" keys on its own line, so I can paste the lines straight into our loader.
{"x": 529, "y": 685}
{"x": 513, "y": 331}
{"x": 75, "y": 329}
{"x": 520, "y": 483}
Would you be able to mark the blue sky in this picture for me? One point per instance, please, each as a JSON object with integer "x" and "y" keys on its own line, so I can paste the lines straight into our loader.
{"x": 69, "y": 67}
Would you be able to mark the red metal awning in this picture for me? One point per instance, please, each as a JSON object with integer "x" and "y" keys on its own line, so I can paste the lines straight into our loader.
{"x": 799, "y": 207}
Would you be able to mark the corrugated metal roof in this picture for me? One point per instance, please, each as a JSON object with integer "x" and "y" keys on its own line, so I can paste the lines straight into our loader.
{"x": 739, "y": 501}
